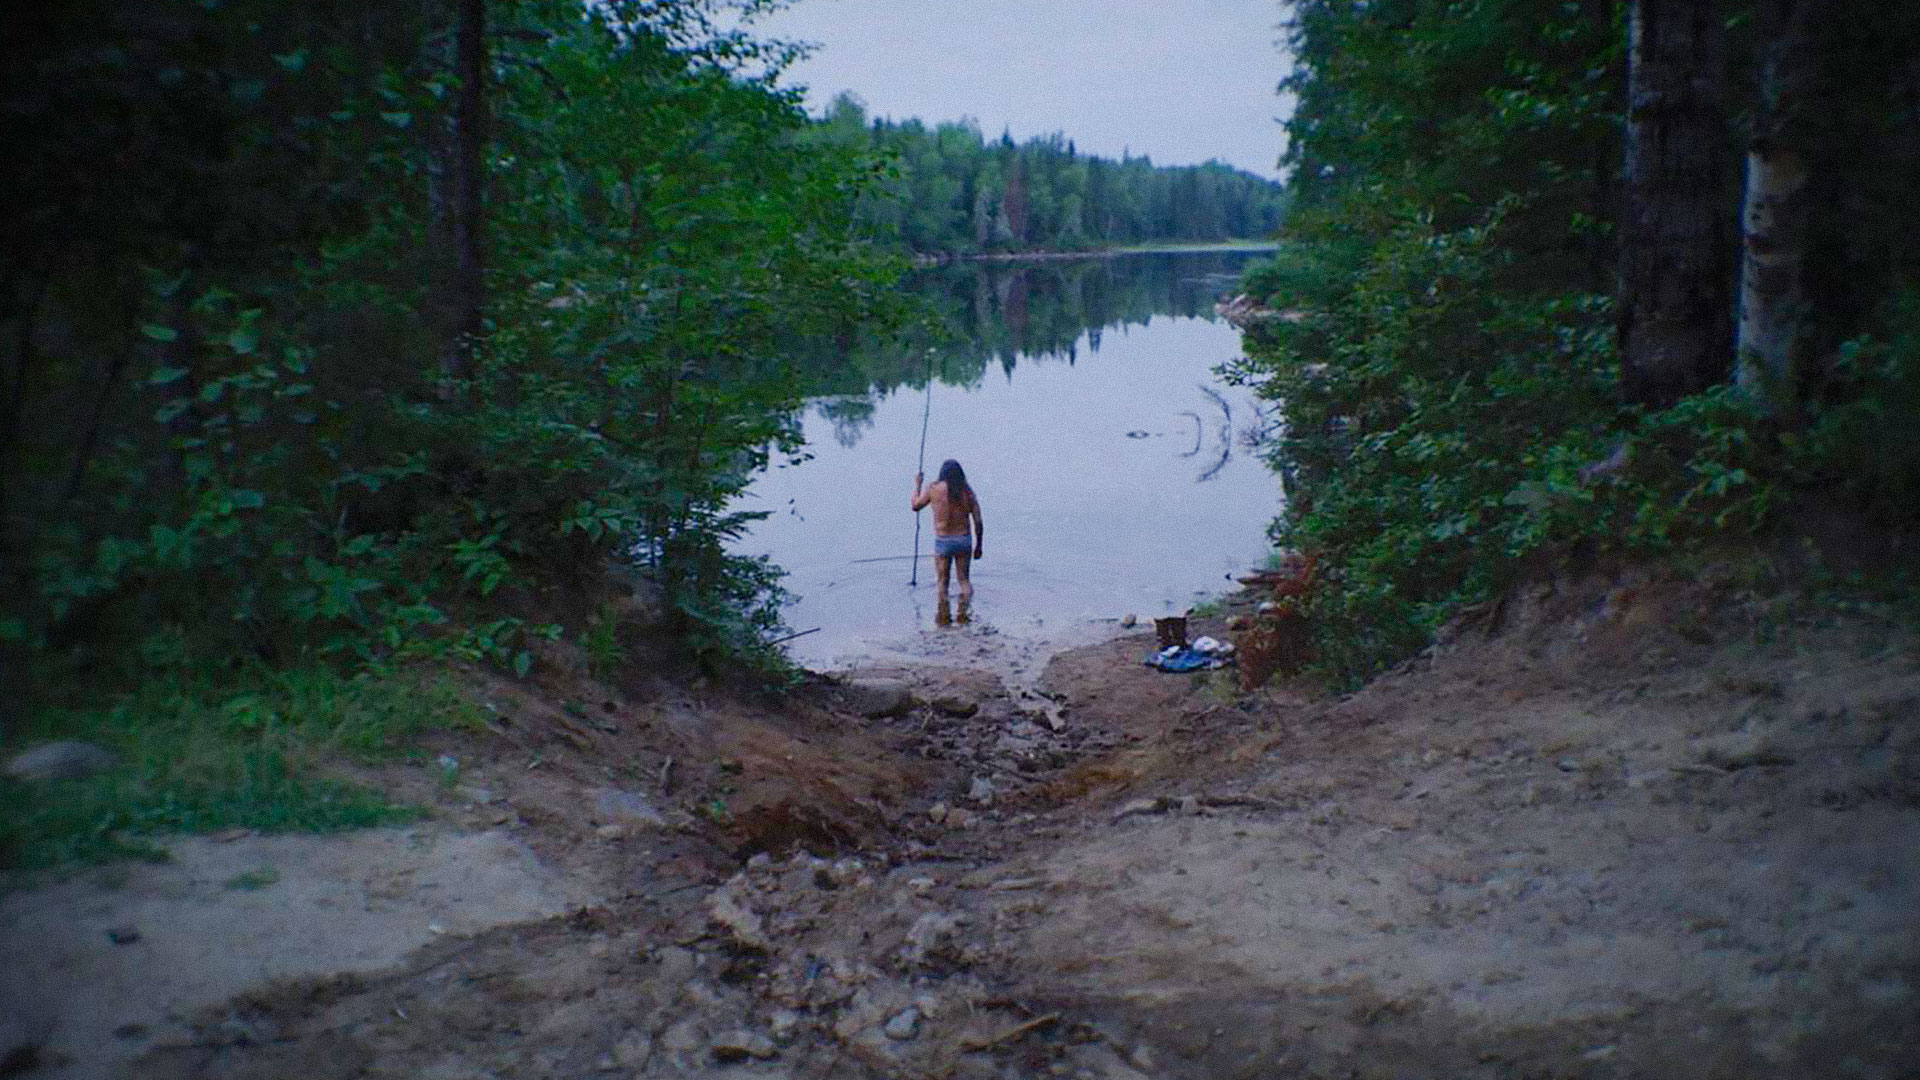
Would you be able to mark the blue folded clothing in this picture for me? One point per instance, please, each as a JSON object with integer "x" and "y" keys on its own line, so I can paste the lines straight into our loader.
{"x": 1183, "y": 659}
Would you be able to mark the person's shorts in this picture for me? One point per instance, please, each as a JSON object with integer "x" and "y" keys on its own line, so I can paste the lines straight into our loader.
{"x": 959, "y": 546}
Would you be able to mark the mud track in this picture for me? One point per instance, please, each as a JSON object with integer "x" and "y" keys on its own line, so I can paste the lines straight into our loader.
{"x": 1624, "y": 829}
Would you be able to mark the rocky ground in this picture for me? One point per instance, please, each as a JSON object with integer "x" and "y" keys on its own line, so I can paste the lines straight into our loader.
{"x": 1629, "y": 828}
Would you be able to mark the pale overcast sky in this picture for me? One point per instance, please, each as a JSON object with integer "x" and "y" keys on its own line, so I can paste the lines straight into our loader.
{"x": 1182, "y": 81}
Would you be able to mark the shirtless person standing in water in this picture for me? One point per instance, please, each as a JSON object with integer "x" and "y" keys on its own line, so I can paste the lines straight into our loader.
{"x": 954, "y": 504}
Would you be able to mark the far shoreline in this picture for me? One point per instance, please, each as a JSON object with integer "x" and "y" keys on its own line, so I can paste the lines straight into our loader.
{"x": 925, "y": 259}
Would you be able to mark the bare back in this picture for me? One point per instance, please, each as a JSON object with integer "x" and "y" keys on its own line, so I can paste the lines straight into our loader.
{"x": 949, "y": 513}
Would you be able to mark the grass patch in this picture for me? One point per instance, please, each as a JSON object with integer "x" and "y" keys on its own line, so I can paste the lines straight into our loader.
{"x": 253, "y": 880}
{"x": 198, "y": 754}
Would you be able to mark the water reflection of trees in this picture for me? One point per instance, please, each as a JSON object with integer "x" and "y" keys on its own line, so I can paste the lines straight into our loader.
{"x": 852, "y": 418}
{"x": 980, "y": 315}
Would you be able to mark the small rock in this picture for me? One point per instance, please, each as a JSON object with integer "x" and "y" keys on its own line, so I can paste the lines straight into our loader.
{"x": 605, "y": 1063}
{"x": 783, "y": 1025}
{"x": 611, "y": 832}
{"x": 1742, "y": 750}
{"x": 65, "y": 760}
{"x": 123, "y": 935}
{"x": 955, "y": 705}
{"x": 479, "y": 796}
{"x": 857, "y": 1013}
{"x": 981, "y": 791}
{"x": 937, "y": 813}
{"x": 613, "y": 806}
{"x": 760, "y": 861}
{"x": 843, "y": 872}
{"x": 877, "y": 698}
{"x": 740, "y": 1045}
{"x": 1138, "y": 806}
{"x": 1567, "y": 764}
{"x": 682, "y": 1037}
{"x": 1600, "y": 1053}
{"x": 1189, "y": 805}
{"x": 677, "y": 965}
{"x": 930, "y": 935}
{"x": 1128, "y": 620}
{"x": 740, "y": 923}
{"x": 921, "y": 885}
{"x": 904, "y": 1025}
{"x": 959, "y": 819}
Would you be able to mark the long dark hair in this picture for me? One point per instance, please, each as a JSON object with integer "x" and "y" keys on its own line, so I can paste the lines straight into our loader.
{"x": 955, "y": 477}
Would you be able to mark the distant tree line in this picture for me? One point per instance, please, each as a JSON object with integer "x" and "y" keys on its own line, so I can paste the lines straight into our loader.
{"x": 949, "y": 190}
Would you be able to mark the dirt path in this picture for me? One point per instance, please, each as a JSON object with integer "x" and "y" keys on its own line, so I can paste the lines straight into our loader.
{"x": 107, "y": 965}
{"x": 1631, "y": 833}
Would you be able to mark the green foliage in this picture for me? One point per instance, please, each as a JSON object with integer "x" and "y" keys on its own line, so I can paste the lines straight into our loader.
{"x": 237, "y": 418}
{"x": 1444, "y": 357}
{"x": 1874, "y": 391}
{"x": 648, "y": 368}
{"x": 601, "y": 642}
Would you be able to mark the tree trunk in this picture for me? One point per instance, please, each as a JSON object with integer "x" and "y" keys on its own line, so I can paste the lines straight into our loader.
{"x": 24, "y": 299}
{"x": 467, "y": 292}
{"x": 1774, "y": 305}
{"x": 1675, "y": 305}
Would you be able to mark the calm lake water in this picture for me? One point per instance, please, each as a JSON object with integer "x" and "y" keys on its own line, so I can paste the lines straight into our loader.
{"x": 1116, "y": 472}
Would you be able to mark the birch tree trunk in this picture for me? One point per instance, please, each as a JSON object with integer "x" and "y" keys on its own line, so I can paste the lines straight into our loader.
{"x": 1774, "y": 305}
{"x": 1676, "y": 261}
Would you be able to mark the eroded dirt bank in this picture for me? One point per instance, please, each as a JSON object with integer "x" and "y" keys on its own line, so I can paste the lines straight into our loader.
{"x": 1623, "y": 829}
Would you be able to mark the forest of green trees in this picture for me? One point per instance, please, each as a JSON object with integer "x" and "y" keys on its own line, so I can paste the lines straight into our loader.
{"x": 951, "y": 191}
{"x": 339, "y": 336}
{"x": 326, "y": 328}
{"x": 1565, "y": 278}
